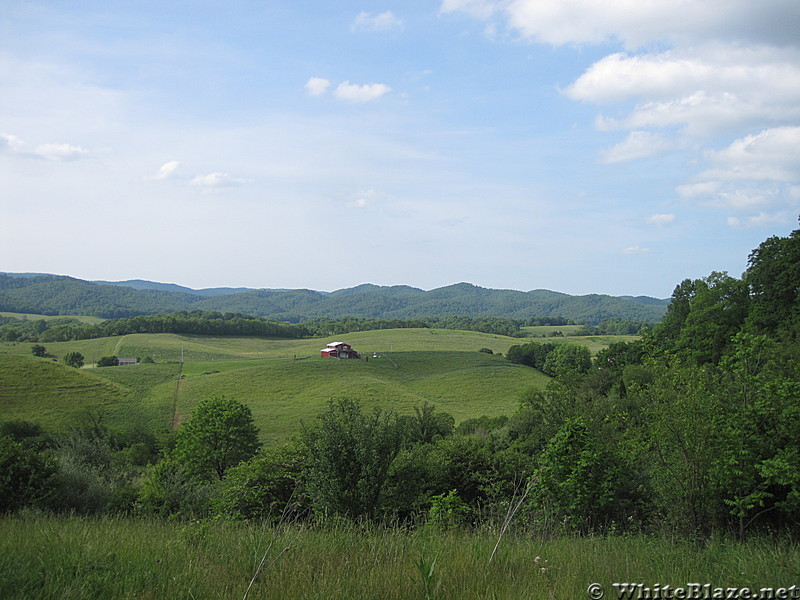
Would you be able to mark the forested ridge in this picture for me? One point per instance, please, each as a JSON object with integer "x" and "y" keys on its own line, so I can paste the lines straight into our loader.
{"x": 694, "y": 429}
{"x": 59, "y": 295}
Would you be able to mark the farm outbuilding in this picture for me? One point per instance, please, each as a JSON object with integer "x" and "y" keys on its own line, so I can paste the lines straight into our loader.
{"x": 338, "y": 350}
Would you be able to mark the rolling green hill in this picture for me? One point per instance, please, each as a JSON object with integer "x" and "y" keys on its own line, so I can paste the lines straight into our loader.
{"x": 50, "y": 294}
{"x": 285, "y": 382}
{"x": 50, "y": 393}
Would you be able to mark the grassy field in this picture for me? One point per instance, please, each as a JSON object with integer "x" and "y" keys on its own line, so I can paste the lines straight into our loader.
{"x": 123, "y": 559}
{"x": 285, "y": 382}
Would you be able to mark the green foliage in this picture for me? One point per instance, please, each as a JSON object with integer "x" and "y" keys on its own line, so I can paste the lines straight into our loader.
{"x": 26, "y": 476}
{"x": 108, "y": 361}
{"x": 186, "y": 322}
{"x": 74, "y": 359}
{"x": 28, "y": 433}
{"x": 448, "y": 511}
{"x": 574, "y": 481}
{"x": 430, "y": 583}
{"x": 219, "y": 435}
{"x": 38, "y": 350}
{"x": 566, "y": 360}
{"x": 426, "y": 425}
{"x": 349, "y": 456}
{"x": 168, "y": 490}
{"x": 773, "y": 275}
{"x": 264, "y": 487}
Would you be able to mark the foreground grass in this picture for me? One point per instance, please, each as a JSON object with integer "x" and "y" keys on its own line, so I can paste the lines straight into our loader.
{"x": 59, "y": 557}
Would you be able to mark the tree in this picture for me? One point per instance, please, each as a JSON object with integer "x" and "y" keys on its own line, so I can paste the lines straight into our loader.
{"x": 773, "y": 274}
{"x": 428, "y": 425}
{"x": 575, "y": 480}
{"x": 349, "y": 455}
{"x": 74, "y": 359}
{"x": 716, "y": 314}
{"x": 108, "y": 361}
{"x": 219, "y": 435}
{"x": 567, "y": 359}
{"x": 38, "y": 350}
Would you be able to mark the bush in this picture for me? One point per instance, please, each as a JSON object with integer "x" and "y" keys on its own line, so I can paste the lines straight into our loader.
{"x": 263, "y": 487}
{"x": 26, "y": 476}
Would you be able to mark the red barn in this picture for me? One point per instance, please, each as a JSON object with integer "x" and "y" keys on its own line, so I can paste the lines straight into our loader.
{"x": 338, "y": 350}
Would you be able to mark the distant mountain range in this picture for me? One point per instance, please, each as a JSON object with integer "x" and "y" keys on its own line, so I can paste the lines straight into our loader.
{"x": 62, "y": 295}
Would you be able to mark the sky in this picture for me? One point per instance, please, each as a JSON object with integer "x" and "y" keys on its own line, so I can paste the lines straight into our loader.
{"x": 615, "y": 147}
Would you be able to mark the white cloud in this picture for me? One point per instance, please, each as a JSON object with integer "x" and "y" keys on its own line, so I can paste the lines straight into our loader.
{"x": 364, "y": 199}
{"x": 760, "y": 220}
{"x": 661, "y": 219}
{"x": 695, "y": 190}
{"x": 773, "y": 155}
{"x": 60, "y": 152}
{"x": 638, "y": 144}
{"x": 639, "y": 22}
{"x": 360, "y": 93}
{"x": 482, "y": 9}
{"x": 10, "y": 143}
{"x": 385, "y": 21}
{"x": 49, "y": 151}
{"x": 217, "y": 180}
{"x": 316, "y": 86}
{"x": 167, "y": 170}
{"x": 705, "y": 88}
{"x": 755, "y": 171}
{"x": 635, "y": 250}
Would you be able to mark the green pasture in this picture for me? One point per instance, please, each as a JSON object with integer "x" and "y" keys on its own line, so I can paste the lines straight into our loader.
{"x": 285, "y": 382}
{"x": 547, "y": 330}
{"x": 284, "y": 393}
{"x": 50, "y": 393}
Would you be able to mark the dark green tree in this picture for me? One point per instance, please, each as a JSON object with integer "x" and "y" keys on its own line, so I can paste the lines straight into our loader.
{"x": 773, "y": 274}
{"x": 38, "y": 350}
{"x": 349, "y": 455}
{"x": 219, "y": 435}
{"x": 74, "y": 359}
{"x": 427, "y": 425}
{"x": 108, "y": 361}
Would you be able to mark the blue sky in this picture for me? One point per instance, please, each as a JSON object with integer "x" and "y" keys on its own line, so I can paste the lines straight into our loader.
{"x": 611, "y": 147}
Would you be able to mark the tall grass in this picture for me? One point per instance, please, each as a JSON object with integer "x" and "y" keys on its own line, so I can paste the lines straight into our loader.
{"x": 61, "y": 557}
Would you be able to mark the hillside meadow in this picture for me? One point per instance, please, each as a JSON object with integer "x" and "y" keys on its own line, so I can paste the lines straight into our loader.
{"x": 284, "y": 382}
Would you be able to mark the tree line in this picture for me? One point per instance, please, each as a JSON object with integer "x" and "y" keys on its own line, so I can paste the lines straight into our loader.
{"x": 200, "y": 322}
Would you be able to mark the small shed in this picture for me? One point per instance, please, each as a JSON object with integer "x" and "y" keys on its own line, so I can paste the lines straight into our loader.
{"x": 127, "y": 361}
{"x": 338, "y": 350}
